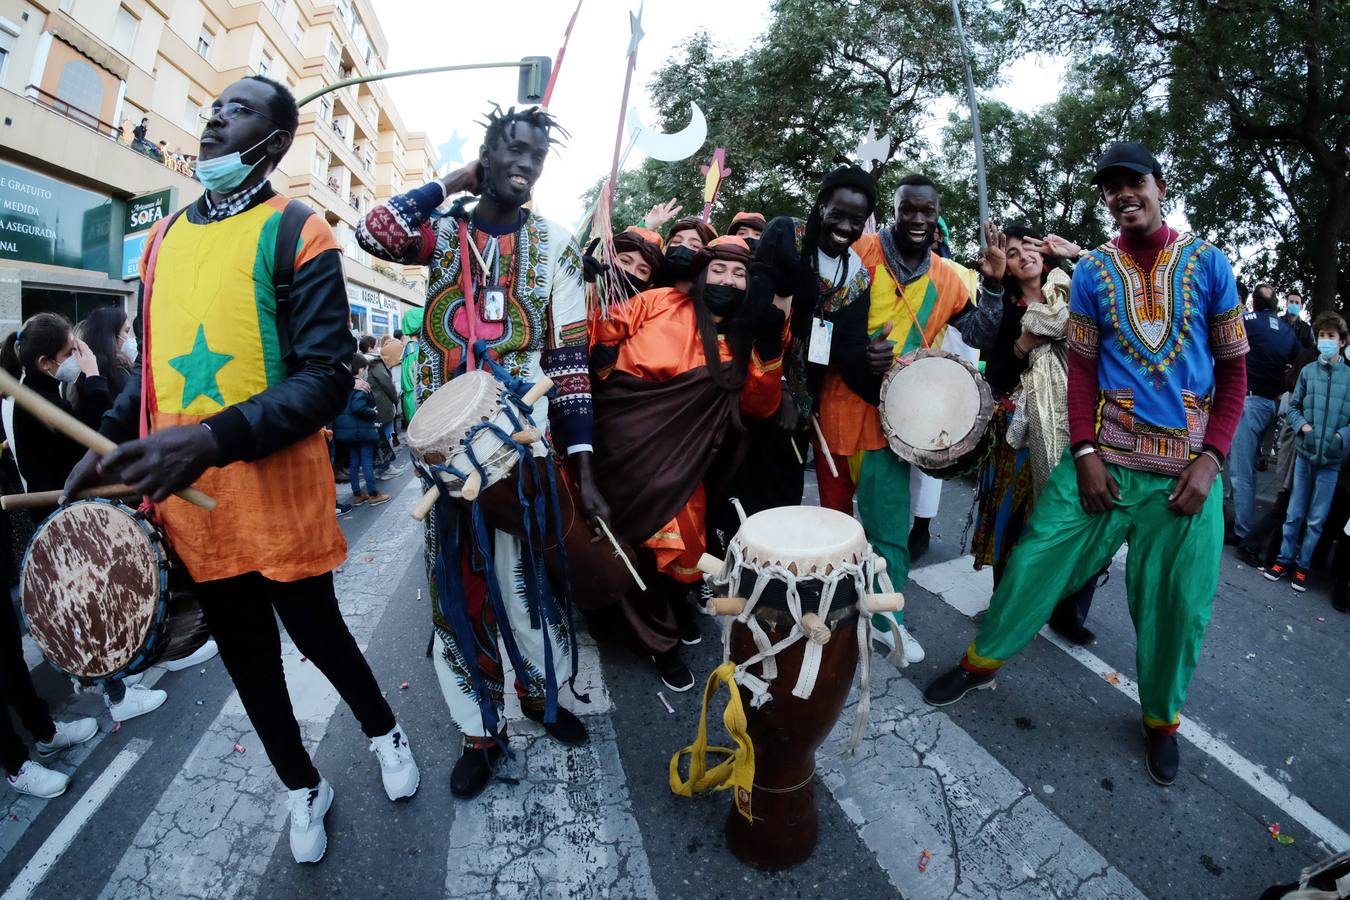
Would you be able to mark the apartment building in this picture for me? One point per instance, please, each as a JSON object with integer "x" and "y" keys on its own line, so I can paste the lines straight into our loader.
{"x": 77, "y": 192}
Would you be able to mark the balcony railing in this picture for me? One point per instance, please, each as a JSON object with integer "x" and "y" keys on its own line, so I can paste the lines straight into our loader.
{"x": 185, "y": 166}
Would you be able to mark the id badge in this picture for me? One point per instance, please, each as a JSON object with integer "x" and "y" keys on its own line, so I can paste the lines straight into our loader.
{"x": 494, "y": 305}
{"x": 818, "y": 351}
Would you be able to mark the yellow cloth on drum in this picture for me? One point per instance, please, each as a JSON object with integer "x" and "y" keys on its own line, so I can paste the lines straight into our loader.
{"x": 738, "y": 769}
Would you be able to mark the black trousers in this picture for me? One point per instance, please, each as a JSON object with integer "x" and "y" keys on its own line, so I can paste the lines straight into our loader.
{"x": 18, "y": 693}
{"x": 242, "y": 613}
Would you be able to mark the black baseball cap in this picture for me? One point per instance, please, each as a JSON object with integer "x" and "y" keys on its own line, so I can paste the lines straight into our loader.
{"x": 1130, "y": 155}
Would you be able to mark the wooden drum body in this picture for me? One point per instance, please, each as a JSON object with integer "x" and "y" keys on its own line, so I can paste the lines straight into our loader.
{"x": 445, "y": 427}
{"x": 935, "y": 411}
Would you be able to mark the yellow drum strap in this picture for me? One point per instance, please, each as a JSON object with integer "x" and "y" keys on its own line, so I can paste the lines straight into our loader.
{"x": 738, "y": 769}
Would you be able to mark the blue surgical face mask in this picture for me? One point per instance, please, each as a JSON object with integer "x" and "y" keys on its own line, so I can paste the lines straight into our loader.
{"x": 225, "y": 173}
{"x": 1328, "y": 347}
{"x": 1293, "y": 308}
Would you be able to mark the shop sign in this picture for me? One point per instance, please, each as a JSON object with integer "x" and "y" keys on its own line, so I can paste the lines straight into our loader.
{"x": 43, "y": 220}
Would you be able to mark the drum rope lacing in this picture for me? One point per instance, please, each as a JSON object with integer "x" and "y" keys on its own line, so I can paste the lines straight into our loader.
{"x": 861, "y": 572}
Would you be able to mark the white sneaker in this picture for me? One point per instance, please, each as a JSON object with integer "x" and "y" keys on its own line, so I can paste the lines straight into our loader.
{"x": 885, "y": 638}
{"x": 308, "y": 806}
{"x": 138, "y": 701}
{"x": 391, "y": 472}
{"x": 913, "y": 651}
{"x": 68, "y": 734}
{"x": 208, "y": 651}
{"x": 38, "y": 781}
{"x": 397, "y": 767}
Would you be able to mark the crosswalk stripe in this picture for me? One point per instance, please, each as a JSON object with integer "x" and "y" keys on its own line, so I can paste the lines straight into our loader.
{"x": 220, "y": 818}
{"x": 69, "y": 827}
{"x": 967, "y": 594}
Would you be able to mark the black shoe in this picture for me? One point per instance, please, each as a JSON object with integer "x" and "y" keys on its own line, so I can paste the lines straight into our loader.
{"x": 474, "y": 770}
{"x": 690, "y": 633}
{"x": 919, "y": 540}
{"x": 1340, "y": 598}
{"x": 568, "y": 729}
{"x": 955, "y": 684}
{"x": 674, "y": 673}
{"x": 1162, "y": 756}
{"x": 1250, "y": 557}
{"x": 1073, "y": 632}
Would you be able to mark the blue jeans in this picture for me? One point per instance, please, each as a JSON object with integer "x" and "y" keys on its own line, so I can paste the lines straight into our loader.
{"x": 361, "y": 458}
{"x": 1257, "y": 414}
{"x": 1314, "y": 488}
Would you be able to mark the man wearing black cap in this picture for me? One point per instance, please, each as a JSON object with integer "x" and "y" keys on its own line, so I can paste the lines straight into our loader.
{"x": 1156, "y": 384}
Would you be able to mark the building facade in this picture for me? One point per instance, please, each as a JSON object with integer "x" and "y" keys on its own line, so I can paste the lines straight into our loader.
{"x": 80, "y": 183}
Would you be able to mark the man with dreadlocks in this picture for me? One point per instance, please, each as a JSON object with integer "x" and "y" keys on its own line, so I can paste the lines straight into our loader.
{"x": 915, "y": 295}
{"x": 665, "y": 419}
{"x": 530, "y": 309}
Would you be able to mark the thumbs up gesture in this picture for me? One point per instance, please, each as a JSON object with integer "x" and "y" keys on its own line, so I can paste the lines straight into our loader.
{"x": 880, "y": 351}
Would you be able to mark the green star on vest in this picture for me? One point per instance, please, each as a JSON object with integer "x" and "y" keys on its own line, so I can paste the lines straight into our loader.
{"x": 199, "y": 369}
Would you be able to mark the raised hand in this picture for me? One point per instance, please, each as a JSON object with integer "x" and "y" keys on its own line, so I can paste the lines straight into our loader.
{"x": 994, "y": 255}
{"x": 662, "y": 213}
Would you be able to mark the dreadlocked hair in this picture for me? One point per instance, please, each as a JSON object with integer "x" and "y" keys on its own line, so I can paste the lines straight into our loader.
{"x": 502, "y": 124}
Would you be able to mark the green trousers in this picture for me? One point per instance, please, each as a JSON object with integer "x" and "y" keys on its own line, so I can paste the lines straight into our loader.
{"x": 1170, "y": 579}
{"x": 883, "y": 506}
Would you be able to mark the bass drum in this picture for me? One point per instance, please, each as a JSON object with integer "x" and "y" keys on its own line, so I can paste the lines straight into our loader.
{"x": 935, "y": 412}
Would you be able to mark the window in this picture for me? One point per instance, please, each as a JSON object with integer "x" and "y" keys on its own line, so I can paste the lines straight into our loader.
{"x": 192, "y": 116}
{"x": 325, "y": 109}
{"x": 359, "y": 318}
{"x": 295, "y": 37}
{"x": 205, "y": 41}
{"x": 379, "y": 323}
{"x": 279, "y": 8}
{"x": 124, "y": 31}
{"x": 334, "y": 54}
{"x": 67, "y": 5}
{"x": 265, "y": 64}
{"x": 8, "y": 32}
{"x": 81, "y": 87}
{"x": 320, "y": 166}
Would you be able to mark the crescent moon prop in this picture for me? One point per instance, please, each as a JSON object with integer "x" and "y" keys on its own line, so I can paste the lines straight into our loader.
{"x": 671, "y": 147}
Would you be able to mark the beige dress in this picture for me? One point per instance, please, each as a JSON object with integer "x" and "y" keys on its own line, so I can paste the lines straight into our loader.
{"x": 1041, "y": 418}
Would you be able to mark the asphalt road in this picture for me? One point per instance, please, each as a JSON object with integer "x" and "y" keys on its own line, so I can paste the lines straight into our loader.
{"x": 1036, "y": 789}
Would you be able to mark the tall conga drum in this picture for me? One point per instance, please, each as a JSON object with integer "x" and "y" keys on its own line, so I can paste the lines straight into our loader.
{"x": 799, "y": 622}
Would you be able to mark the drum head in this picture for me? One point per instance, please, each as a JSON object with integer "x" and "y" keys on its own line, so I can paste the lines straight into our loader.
{"x": 935, "y": 407}
{"x": 803, "y": 537}
{"x": 91, "y": 588}
{"x": 445, "y": 417}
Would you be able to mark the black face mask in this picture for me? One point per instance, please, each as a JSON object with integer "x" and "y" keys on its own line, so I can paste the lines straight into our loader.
{"x": 631, "y": 283}
{"x": 679, "y": 260}
{"x": 722, "y": 299}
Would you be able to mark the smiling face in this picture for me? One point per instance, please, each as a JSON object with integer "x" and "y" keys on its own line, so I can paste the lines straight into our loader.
{"x": 247, "y": 128}
{"x": 723, "y": 271}
{"x": 688, "y": 237}
{"x": 916, "y": 217}
{"x": 1134, "y": 199}
{"x": 633, "y": 262}
{"x": 514, "y": 162}
{"x": 1024, "y": 264}
{"x": 843, "y": 214}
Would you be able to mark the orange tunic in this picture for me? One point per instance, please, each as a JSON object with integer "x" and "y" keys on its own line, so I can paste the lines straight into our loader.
{"x": 656, "y": 334}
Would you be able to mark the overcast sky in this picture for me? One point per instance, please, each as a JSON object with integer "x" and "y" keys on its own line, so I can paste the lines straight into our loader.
{"x": 590, "y": 85}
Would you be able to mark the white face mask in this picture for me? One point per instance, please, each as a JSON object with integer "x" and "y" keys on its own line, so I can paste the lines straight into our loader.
{"x": 129, "y": 349}
{"x": 69, "y": 371}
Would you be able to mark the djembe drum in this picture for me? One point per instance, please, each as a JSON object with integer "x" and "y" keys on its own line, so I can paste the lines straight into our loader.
{"x": 96, "y": 589}
{"x": 802, "y": 620}
{"x": 935, "y": 412}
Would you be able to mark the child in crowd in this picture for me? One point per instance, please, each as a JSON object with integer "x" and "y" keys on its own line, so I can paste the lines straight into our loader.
{"x": 357, "y": 426}
{"x": 1319, "y": 414}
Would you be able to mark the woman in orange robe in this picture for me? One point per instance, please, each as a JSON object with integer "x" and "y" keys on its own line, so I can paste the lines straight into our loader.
{"x": 665, "y": 420}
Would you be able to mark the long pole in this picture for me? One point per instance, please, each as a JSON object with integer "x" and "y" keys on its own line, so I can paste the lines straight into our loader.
{"x": 562, "y": 51}
{"x": 980, "y": 183}
{"x": 348, "y": 82}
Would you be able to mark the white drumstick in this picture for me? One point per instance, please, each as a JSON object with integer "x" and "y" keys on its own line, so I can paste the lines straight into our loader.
{"x": 824, "y": 447}
{"x": 795, "y": 452}
{"x": 623, "y": 556}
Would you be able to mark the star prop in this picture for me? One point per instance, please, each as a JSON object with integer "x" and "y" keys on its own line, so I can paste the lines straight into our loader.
{"x": 635, "y": 24}
{"x": 715, "y": 171}
{"x": 452, "y": 151}
{"x": 873, "y": 150}
{"x": 199, "y": 370}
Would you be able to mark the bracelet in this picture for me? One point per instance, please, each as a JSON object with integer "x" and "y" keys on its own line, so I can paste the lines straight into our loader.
{"x": 1214, "y": 456}
{"x": 1084, "y": 451}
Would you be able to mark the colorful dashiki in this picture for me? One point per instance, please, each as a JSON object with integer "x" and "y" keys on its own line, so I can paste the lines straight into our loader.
{"x": 1156, "y": 336}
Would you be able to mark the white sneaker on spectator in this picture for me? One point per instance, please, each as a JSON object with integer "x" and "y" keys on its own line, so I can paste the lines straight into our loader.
{"x": 309, "y": 840}
{"x": 68, "y": 734}
{"x": 208, "y": 651}
{"x": 39, "y": 781}
{"x": 391, "y": 472}
{"x": 398, "y": 769}
{"x": 137, "y": 702}
{"x": 913, "y": 650}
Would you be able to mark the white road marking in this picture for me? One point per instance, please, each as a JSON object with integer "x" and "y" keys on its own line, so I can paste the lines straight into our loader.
{"x": 970, "y": 594}
{"x": 66, "y": 830}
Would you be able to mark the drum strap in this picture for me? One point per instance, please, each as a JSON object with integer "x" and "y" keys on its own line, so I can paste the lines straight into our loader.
{"x": 738, "y": 769}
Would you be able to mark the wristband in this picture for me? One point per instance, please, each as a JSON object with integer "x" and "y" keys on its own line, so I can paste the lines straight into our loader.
{"x": 1218, "y": 463}
{"x": 1084, "y": 451}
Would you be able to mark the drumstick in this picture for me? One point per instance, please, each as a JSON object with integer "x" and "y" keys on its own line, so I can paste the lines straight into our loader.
{"x": 57, "y": 419}
{"x": 619, "y": 550}
{"x": 824, "y": 447}
{"x": 795, "y": 452}
{"x": 51, "y": 498}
